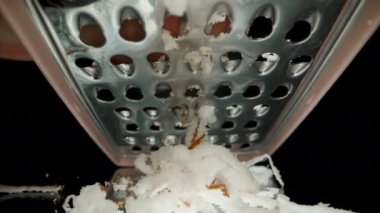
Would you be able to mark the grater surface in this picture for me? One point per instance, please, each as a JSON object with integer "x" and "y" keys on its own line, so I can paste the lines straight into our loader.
{"x": 141, "y": 103}
{"x": 142, "y": 90}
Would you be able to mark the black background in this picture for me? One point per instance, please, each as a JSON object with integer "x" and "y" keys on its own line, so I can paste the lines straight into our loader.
{"x": 333, "y": 156}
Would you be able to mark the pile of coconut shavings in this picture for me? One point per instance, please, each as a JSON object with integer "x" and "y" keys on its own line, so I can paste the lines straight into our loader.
{"x": 92, "y": 199}
{"x": 198, "y": 177}
{"x": 206, "y": 178}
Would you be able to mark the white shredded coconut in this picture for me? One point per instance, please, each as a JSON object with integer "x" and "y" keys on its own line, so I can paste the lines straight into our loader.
{"x": 206, "y": 115}
{"x": 176, "y": 7}
{"x": 122, "y": 184}
{"x": 274, "y": 169}
{"x": 170, "y": 140}
{"x": 140, "y": 164}
{"x": 177, "y": 178}
{"x": 270, "y": 57}
{"x": 200, "y": 60}
{"x": 92, "y": 199}
{"x": 182, "y": 178}
{"x": 197, "y": 177}
{"x": 217, "y": 17}
{"x": 169, "y": 41}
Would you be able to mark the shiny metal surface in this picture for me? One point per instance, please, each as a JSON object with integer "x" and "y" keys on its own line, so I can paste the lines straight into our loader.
{"x": 264, "y": 75}
{"x": 261, "y": 81}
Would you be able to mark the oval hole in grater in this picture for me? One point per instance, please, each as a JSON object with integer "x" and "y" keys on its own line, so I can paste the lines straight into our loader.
{"x": 137, "y": 80}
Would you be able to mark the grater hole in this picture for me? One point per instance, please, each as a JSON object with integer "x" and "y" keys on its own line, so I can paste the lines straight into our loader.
{"x": 234, "y": 110}
{"x": 181, "y": 111}
{"x": 212, "y": 138}
{"x": 245, "y": 146}
{"x": 266, "y": 62}
{"x": 170, "y": 140}
{"x": 299, "y": 32}
{"x": 163, "y": 91}
{"x": 233, "y": 138}
{"x": 105, "y": 95}
{"x": 252, "y": 124}
{"x": 84, "y": 62}
{"x": 261, "y": 28}
{"x": 151, "y": 140}
{"x": 89, "y": 67}
{"x": 132, "y": 30}
{"x": 252, "y": 137}
{"x": 90, "y": 33}
{"x": 159, "y": 62}
{"x": 131, "y": 26}
{"x": 252, "y": 91}
{"x": 193, "y": 92}
{"x": 123, "y": 113}
{"x": 133, "y": 128}
{"x": 261, "y": 109}
{"x": 228, "y": 125}
{"x": 136, "y": 149}
{"x": 156, "y": 127}
{"x": 231, "y": 61}
{"x": 130, "y": 140}
{"x": 154, "y": 148}
{"x": 134, "y": 93}
{"x": 179, "y": 126}
{"x": 175, "y": 25}
{"x": 151, "y": 112}
{"x": 124, "y": 64}
{"x": 219, "y": 22}
{"x": 281, "y": 91}
{"x": 223, "y": 91}
{"x": 298, "y": 65}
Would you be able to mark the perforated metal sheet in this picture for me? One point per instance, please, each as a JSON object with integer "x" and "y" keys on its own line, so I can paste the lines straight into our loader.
{"x": 255, "y": 72}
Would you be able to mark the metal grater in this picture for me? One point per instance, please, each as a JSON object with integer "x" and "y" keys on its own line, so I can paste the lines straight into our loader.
{"x": 263, "y": 74}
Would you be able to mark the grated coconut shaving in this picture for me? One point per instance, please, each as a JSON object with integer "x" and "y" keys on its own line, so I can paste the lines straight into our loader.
{"x": 204, "y": 178}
